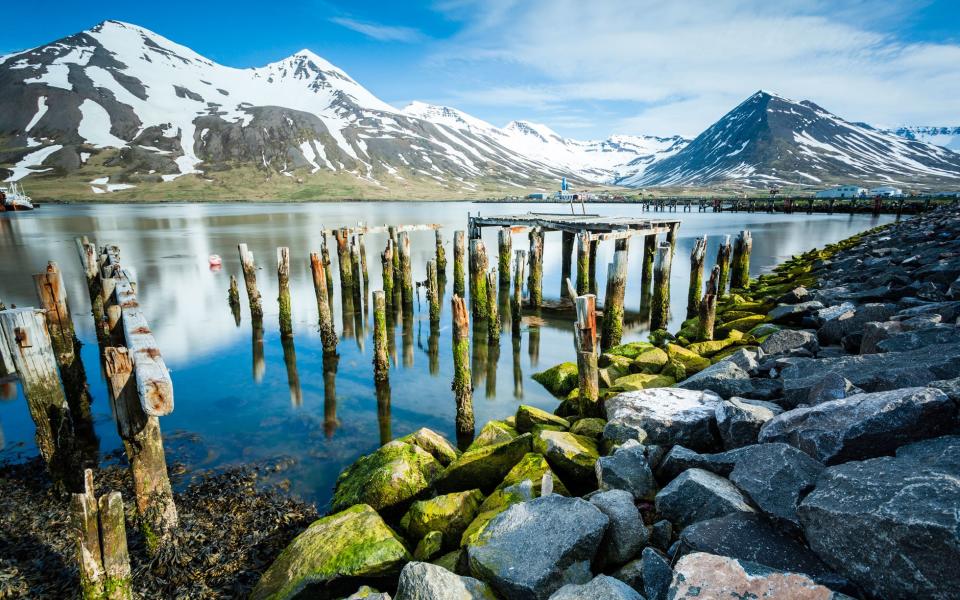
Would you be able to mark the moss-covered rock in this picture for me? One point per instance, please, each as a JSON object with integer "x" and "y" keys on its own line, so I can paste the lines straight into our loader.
{"x": 733, "y": 315}
{"x": 616, "y": 366}
{"x": 494, "y": 432}
{"x": 641, "y": 381}
{"x": 570, "y": 455}
{"x": 484, "y": 467}
{"x": 449, "y": 561}
{"x": 674, "y": 370}
{"x": 725, "y": 353}
{"x": 629, "y": 350}
{"x": 744, "y": 324}
{"x": 558, "y": 380}
{"x": 764, "y": 329}
{"x": 660, "y": 337}
{"x": 591, "y": 427}
{"x": 529, "y": 416}
{"x": 691, "y": 361}
{"x": 429, "y": 546}
{"x": 500, "y": 500}
{"x": 449, "y": 514}
{"x": 650, "y": 361}
{"x": 434, "y": 443}
{"x": 331, "y": 554}
{"x": 387, "y": 479}
{"x": 532, "y": 466}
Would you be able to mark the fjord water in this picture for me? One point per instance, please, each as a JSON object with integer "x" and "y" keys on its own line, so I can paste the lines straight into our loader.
{"x": 234, "y": 405}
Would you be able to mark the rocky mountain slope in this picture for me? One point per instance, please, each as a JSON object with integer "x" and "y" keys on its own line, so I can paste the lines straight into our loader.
{"x": 948, "y": 137}
{"x": 770, "y": 140}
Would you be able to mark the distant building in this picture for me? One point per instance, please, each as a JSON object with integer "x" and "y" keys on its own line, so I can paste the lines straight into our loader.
{"x": 538, "y": 196}
{"x": 843, "y": 191}
{"x": 885, "y": 191}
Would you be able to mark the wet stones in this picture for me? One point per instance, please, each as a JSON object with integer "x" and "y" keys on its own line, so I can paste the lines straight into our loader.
{"x": 697, "y": 495}
{"x": 864, "y": 425}
{"x": 387, "y": 479}
{"x": 776, "y": 477}
{"x": 627, "y": 469}
{"x": 739, "y": 420}
{"x": 791, "y": 341}
{"x": 424, "y": 581}
{"x": 664, "y": 416}
{"x": 625, "y": 534}
{"x": 600, "y": 587}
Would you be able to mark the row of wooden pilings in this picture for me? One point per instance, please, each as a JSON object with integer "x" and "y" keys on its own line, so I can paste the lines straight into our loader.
{"x": 39, "y": 346}
{"x": 788, "y": 205}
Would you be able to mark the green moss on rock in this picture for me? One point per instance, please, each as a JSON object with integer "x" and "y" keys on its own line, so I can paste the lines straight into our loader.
{"x": 449, "y": 514}
{"x": 532, "y": 466}
{"x": 494, "y": 432}
{"x": 591, "y": 427}
{"x": 434, "y": 443}
{"x": 629, "y": 350}
{"x": 386, "y": 479}
{"x": 500, "y": 500}
{"x": 484, "y": 467}
{"x": 642, "y": 381}
{"x": 744, "y": 324}
{"x": 344, "y": 546}
{"x": 558, "y": 380}
{"x": 570, "y": 455}
{"x": 529, "y": 416}
{"x": 650, "y": 361}
{"x": 429, "y": 546}
{"x": 691, "y": 361}
{"x": 674, "y": 370}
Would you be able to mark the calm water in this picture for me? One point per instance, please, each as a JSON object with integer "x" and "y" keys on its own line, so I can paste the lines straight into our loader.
{"x": 232, "y": 406}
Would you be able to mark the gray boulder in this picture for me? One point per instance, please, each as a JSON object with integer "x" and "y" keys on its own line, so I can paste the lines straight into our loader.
{"x": 891, "y": 524}
{"x": 912, "y": 340}
{"x": 747, "y": 536}
{"x": 657, "y": 574}
{"x": 831, "y": 386}
{"x": 948, "y": 311}
{"x": 365, "y": 592}
{"x": 664, "y": 416}
{"x": 724, "y": 377}
{"x": 863, "y": 426}
{"x": 424, "y": 581}
{"x": 850, "y": 321}
{"x": 794, "y": 296}
{"x": 625, "y": 535}
{"x": 745, "y": 359}
{"x": 697, "y": 495}
{"x": 875, "y": 332}
{"x": 627, "y": 469}
{"x": 950, "y": 387}
{"x": 776, "y": 477}
{"x": 631, "y": 574}
{"x": 534, "y": 548}
{"x": 600, "y": 587}
{"x": 661, "y": 534}
{"x": 679, "y": 459}
{"x": 792, "y": 314}
{"x": 739, "y": 420}
{"x": 787, "y": 341}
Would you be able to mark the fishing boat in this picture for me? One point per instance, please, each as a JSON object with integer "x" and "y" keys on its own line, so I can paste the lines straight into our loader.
{"x": 13, "y": 198}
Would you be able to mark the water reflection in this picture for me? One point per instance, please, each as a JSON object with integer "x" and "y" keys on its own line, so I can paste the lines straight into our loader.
{"x": 259, "y": 362}
{"x": 293, "y": 379}
{"x": 330, "y": 423}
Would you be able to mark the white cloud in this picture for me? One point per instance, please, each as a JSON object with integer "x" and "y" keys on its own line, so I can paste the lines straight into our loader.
{"x": 383, "y": 33}
{"x": 677, "y": 67}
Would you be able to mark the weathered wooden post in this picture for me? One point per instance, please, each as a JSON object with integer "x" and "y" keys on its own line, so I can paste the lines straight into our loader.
{"x": 592, "y": 277}
{"x": 328, "y": 335}
{"x": 359, "y": 291}
{"x": 233, "y": 298}
{"x": 29, "y": 353}
{"x": 516, "y": 304}
{"x": 386, "y": 262}
{"x": 101, "y": 542}
{"x": 505, "y": 247}
{"x": 88, "y": 259}
{"x": 381, "y": 357}
{"x": 583, "y": 263}
{"x": 493, "y": 309}
{"x": 616, "y": 289}
{"x": 142, "y": 440}
{"x": 406, "y": 282}
{"x": 342, "y": 237}
{"x": 249, "y": 267}
{"x": 708, "y": 308}
{"x": 478, "y": 279}
{"x": 433, "y": 292}
{"x": 672, "y": 237}
{"x": 362, "y": 248}
{"x": 459, "y": 252}
{"x": 441, "y": 255}
{"x": 535, "y": 279}
{"x": 697, "y": 256}
{"x": 660, "y": 304}
{"x": 462, "y": 386}
{"x": 566, "y": 261}
{"x": 740, "y": 269}
{"x": 327, "y": 268}
{"x": 283, "y": 283}
{"x": 649, "y": 254}
{"x": 585, "y": 342}
{"x": 723, "y": 261}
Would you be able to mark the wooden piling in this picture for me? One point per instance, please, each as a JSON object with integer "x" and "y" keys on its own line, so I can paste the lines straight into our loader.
{"x": 113, "y": 545}
{"x": 462, "y": 386}
{"x": 723, "y": 262}
{"x": 433, "y": 292}
{"x": 406, "y": 282}
{"x": 478, "y": 279}
{"x": 566, "y": 261}
{"x": 283, "y": 284}
{"x": 362, "y": 249}
{"x": 592, "y": 273}
{"x": 616, "y": 290}
{"x": 342, "y": 237}
{"x": 85, "y": 529}
{"x": 386, "y": 263}
{"x": 740, "y": 267}
{"x": 585, "y": 336}
{"x": 708, "y": 308}
{"x": 233, "y": 297}
{"x": 535, "y": 278}
{"x": 143, "y": 443}
{"x": 53, "y": 299}
{"x": 88, "y": 260}
{"x": 493, "y": 309}
{"x": 583, "y": 263}
{"x": 516, "y": 304}
{"x": 505, "y": 248}
{"x": 441, "y": 255}
{"x": 697, "y": 256}
{"x": 672, "y": 237}
{"x": 328, "y": 335}
{"x": 459, "y": 252}
{"x": 327, "y": 268}
{"x": 649, "y": 254}
{"x": 381, "y": 357}
{"x": 249, "y": 267}
{"x": 660, "y": 304}
{"x": 359, "y": 289}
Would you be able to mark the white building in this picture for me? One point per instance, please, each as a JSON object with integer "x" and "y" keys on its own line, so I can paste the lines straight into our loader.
{"x": 885, "y": 191}
{"x": 843, "y": 191}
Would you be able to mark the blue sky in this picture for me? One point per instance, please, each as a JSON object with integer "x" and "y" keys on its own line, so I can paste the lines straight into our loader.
{"x": 586, "y": 69}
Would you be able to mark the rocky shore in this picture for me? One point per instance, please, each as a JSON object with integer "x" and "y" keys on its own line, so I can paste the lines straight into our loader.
{"x": 811, "y": 451}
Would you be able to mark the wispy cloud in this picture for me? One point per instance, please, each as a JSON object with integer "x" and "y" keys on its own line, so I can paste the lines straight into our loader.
{"x": 677, "y": 67}
{"x": 383, "y": 33}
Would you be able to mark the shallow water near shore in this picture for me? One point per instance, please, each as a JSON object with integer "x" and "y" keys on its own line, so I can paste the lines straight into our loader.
{"x": 239, "y": 401}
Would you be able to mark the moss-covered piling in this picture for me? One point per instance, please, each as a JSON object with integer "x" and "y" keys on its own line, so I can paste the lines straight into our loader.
{"x": 697, "y": 256}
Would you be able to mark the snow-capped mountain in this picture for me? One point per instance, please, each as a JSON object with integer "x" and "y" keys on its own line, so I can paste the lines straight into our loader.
{"x": 770, "y": 140}
{"x": 948, "y": 137}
